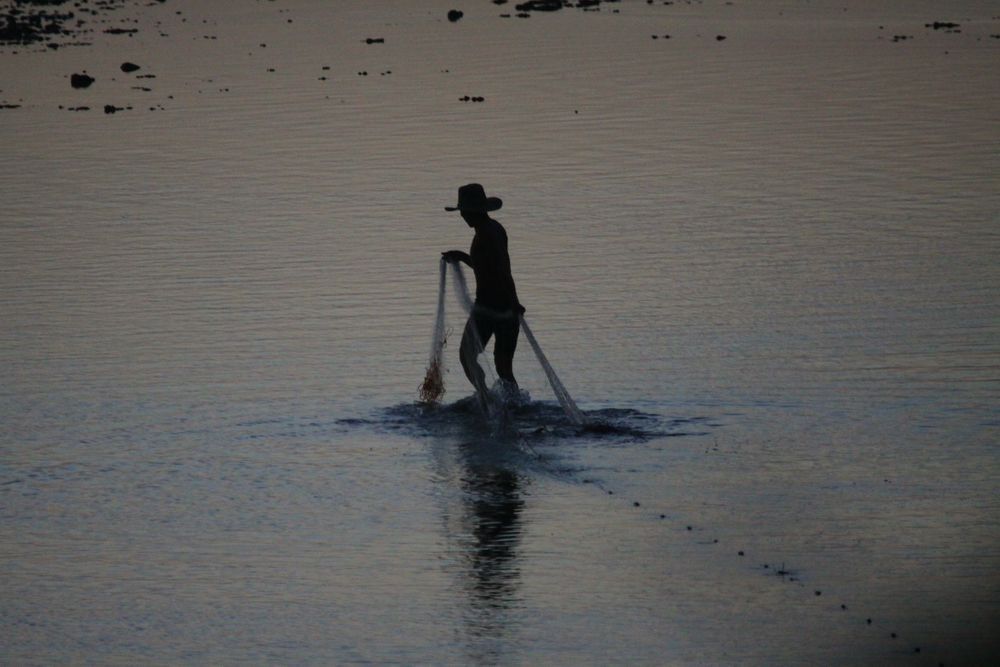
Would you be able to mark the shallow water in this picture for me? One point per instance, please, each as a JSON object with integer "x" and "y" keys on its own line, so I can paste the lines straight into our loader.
{"x": 770, "y": 260}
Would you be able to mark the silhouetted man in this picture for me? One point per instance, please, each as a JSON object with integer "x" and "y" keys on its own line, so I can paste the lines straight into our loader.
{"x": 496, "y": 309}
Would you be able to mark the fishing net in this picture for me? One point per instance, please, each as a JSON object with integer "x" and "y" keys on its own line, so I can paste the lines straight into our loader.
{"x": 432, "y": 388}
{"x": 565, "y": 400}
{"x": 495, "y": 400}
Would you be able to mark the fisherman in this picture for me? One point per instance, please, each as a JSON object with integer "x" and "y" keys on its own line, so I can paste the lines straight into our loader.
{"x": 497, "y": 310}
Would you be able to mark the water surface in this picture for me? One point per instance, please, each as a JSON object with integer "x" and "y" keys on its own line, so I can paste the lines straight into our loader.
{"x": 770, "y": 258}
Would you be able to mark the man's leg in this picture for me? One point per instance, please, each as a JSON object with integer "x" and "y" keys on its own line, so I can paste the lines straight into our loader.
{"x": 503, "y": 350}
{"x": 468, "y": 352}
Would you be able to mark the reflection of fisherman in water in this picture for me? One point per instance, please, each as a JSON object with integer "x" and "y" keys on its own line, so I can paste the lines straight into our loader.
{"x": 494, "y": 504}
{"x": 483, "y": 521}
{"x": 497, "y": 308}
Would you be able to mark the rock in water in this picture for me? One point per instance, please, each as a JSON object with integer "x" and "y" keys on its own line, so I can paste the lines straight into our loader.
{"x": 540, "y": 6}
{"x": 81, "y": 80}
{"x": 128, "y": 68}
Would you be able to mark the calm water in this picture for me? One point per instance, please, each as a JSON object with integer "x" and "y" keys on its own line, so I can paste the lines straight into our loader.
{"x": 772, "y": 259}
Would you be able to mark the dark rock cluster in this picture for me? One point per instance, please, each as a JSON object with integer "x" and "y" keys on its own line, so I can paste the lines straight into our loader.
{"x": 942, "y": 25}
{"x": 26, "y": 22}
{"x": 554, "y": 5}
{"x": 81, "y": 80}
{"x": 27, "y": 26}
{"x": 541, "y": 6}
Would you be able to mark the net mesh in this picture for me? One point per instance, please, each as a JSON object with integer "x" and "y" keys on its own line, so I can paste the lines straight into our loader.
{"x": 565, "y": 400}
{"x": 432, "y": 388}
{"x": 493, "y": 401}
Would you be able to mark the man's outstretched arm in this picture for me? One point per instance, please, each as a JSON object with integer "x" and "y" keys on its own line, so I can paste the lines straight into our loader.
{"x": 458, "y": 256}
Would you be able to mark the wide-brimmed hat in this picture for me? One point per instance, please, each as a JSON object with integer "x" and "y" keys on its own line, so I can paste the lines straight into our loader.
{"x": 473, "y": 198}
